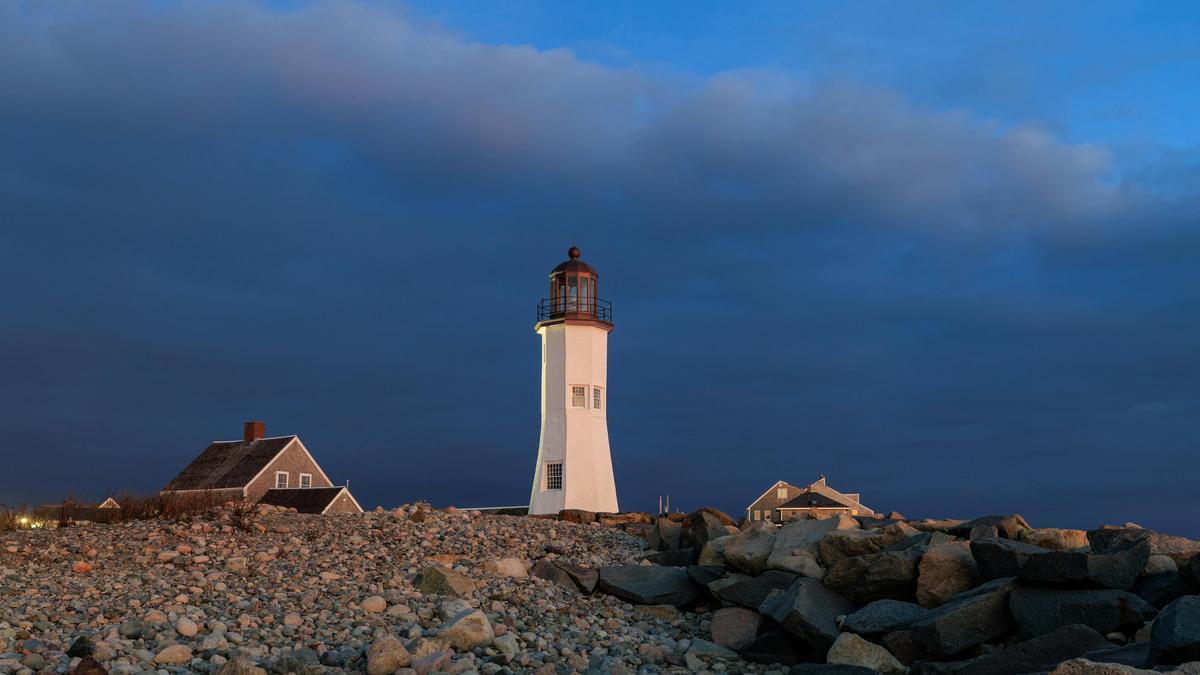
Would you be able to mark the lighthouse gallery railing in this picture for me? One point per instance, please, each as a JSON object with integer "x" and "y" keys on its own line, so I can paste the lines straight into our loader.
{"x": 566, "y": 308}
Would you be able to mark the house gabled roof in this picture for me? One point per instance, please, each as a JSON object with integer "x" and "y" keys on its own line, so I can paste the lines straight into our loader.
{"x": 809, "y": 499}
{"x": 778, "y": 484}
{"x": 306, "y": 500}
{"x": 226, "y": 465}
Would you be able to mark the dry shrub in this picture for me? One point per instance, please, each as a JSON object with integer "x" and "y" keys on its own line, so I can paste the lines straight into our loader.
{"x": 15, "y": 517}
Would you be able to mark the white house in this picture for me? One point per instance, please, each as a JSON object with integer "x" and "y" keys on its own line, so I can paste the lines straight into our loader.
{"x": 574, "y": 463}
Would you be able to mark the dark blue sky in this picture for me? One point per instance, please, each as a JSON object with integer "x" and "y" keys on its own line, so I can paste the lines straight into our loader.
{"x": 946, "y": 255}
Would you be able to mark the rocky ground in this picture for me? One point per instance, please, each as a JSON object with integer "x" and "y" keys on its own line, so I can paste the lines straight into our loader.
{"x": 417, "y": 590}
{"x": 431, "y": 590}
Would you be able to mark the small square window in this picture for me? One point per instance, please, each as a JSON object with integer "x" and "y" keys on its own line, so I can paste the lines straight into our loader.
{"x": 781, "y": 493}
{"x": 554, "y": 476}
{"x": 578, "y": 396}
{"x": 596, "y": 396}
{"x": 281, "y": 479}
{"x": 305, "y": 480}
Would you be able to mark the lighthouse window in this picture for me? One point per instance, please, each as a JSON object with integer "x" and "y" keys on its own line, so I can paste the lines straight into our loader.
{"x": 572, "y": 293}
{"x": 578, "y": 396}
{"x": 554, "y": 476}
{"x": 596, "y": 397}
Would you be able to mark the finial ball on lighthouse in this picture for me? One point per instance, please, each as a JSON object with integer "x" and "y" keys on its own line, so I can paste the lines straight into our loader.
{"x": 574, "y": 464}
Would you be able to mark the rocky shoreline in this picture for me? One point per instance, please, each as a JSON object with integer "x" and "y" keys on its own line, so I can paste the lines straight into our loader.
{"x": 418, "y": 590}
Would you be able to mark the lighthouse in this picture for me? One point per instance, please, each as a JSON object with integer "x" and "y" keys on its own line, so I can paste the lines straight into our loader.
{"x": 574, "y": 463}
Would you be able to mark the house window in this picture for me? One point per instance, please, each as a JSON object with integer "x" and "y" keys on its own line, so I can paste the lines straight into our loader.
{"x": 781, "y": 493}
{"x": 757, "y": 514}
{"x": 305, "y": 480}
{"x": 596, "y": 397}
{"x": 578, "y": 396}
{"x": 281, "y": 479}
{"x": 554, "y": 476}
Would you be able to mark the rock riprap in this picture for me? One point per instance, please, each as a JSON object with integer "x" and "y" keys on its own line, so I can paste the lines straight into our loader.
{"x": 423, "y": 590}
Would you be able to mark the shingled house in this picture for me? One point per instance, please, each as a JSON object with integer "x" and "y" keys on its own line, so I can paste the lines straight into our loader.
{"x": 784, "y": 501}
{"x": 275, "y": 470}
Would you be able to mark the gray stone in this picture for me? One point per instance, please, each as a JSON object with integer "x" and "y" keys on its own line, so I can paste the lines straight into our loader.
{"x": 1039, "y": 611}
{"x": 1000, "y": 558}
{"x": 808, "y": 610}
{"x": 772, "y": 646}
{"x": 1009, "y": 527}
{"x": 884, "y": 616}
{"x": 1037, "y": 655}
{"x": 704, "y": 575}
{"x": 847, "y": 543}
{"x": 546, "y": 569}
{"x": 1175, "y": 637}
{"x": 735, "y": 627}
{"x": 680, "y": 557}
{"x": 467, "y": 630}
{"x": 1055, "y": 539}
{"x": 970, "y": 618}
{"x": 1163, "y": 588}
{"x": 436, "y": 580}
{"x": 241, "y": 666}
{"x": 804, "y": 535}
{"x": 945, "y": 570}
{"x": 386, "y": 655}
{"x": 752, "y": 591}
{"x": 851, "y": 650}
{"x": 875, "y": 576}
{"x": 1117, "y": 567}
{"x": 666, "y": 535}
{"x": 701, "y": 527}
{"x": 584, "y": 577}
{"x": 648, "y": 584}
{"x": 749, "y": 550}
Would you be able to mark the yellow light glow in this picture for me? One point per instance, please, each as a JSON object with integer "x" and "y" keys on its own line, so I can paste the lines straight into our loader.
{"x": 24, "y": 520}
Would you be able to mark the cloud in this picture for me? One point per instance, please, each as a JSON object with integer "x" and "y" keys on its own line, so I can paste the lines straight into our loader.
{"x": 436, "y": 108}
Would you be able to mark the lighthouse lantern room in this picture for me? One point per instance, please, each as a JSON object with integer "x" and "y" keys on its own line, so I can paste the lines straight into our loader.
{"x": 574, "y": 464}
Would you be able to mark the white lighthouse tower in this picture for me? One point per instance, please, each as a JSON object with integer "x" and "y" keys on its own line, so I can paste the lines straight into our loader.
{"x": 574, "y": 463}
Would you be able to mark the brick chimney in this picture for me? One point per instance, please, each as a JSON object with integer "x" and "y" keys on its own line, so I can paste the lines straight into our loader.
{"x": 252, "y": 431}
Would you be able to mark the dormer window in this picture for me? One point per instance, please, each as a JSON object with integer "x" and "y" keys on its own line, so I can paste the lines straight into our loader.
{"x": 781, "y": 493}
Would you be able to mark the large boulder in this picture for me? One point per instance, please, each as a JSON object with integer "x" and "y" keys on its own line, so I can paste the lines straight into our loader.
{"x": 578, "y": 516}
{"x": 1039, "y": 611}
{"x": 850, "y": 650}
{"x": 945, "y": 571}
{"x": 807, "y": 535}
{"x": 887, "y": 574}
{"x": 1180, "y": 549}
{"x": 1055, "y": 539}
{"x": 679, "y": 557}
{"x": 884, "y": 616}
{"x": 734, "y": 627}
{"x": 1163, "y": 588}
{"x": 840, "y": 544}
{"x": 546, "y": 569}
{"x": 1008, "y": 527}
{"x": 713, "y": 552}
{"x": 749, "y": 550}
{"x": 1175, "y": 637}
{"x": 1036, "y": 655}
{"x": 808, "y": 610}
{"x": 752, "y": 591}
{"x": 772, "y": 646}
{"x": 666, "y": 535}
{"x": 1000, "y": 558}
{"x": 584, "y": 577}
{"x": 701, "y": 527}
{"x": 970, "y": 618}
{"x": 1116, "y": 567}
{"x": 648, "y": 584}
{"x": 704, "y": 575}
